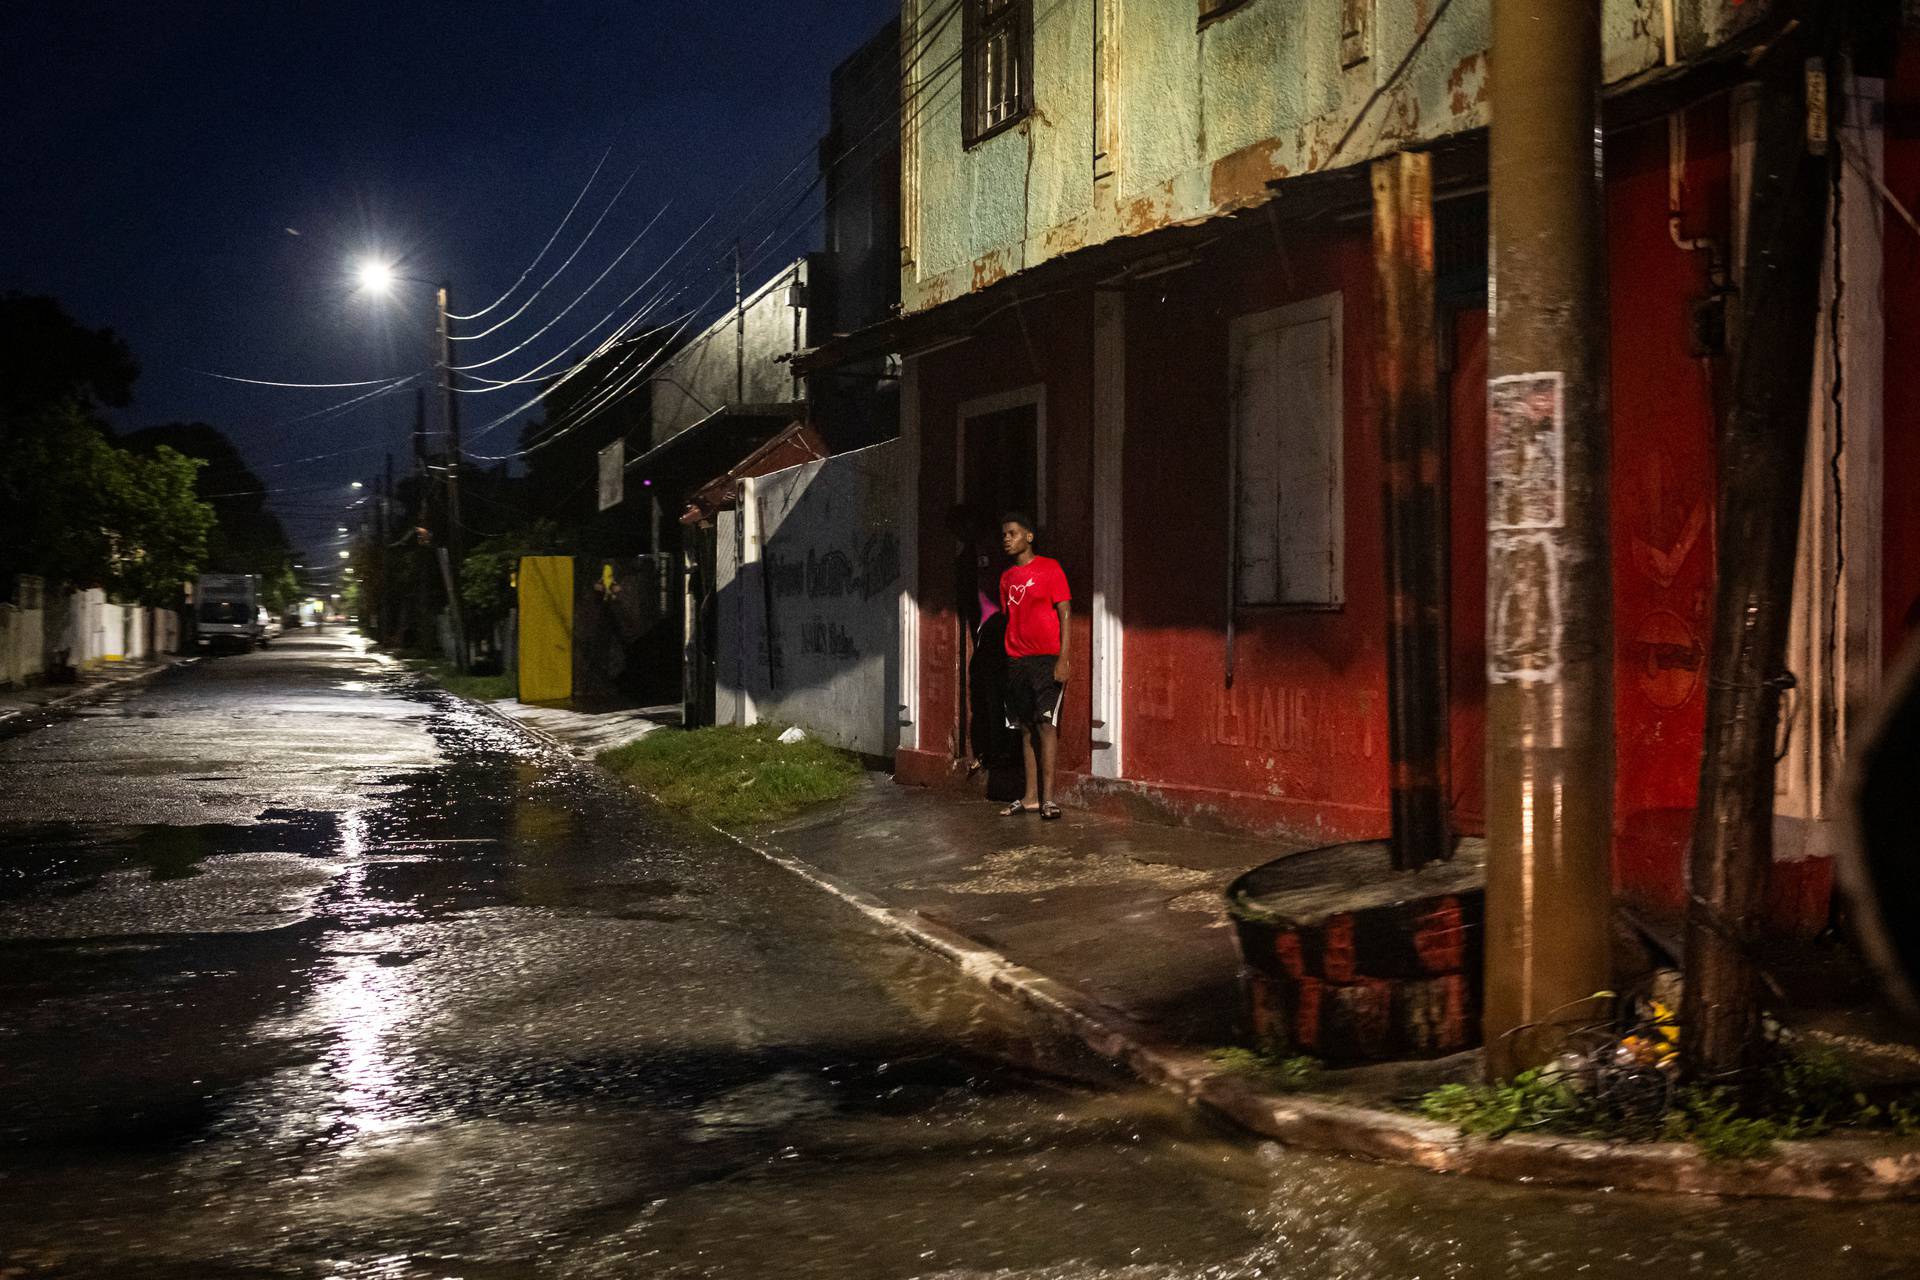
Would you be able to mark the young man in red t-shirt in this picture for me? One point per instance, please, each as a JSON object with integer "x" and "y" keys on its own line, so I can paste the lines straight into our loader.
{"x": 1036, "y": 602}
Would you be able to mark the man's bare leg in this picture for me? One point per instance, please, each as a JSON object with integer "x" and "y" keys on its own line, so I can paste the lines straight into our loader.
{"x": 1032, "y": 798}
{"x": 1049, "y": 752}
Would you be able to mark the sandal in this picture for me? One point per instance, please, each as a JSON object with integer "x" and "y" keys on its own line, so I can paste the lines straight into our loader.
{"x": 1017, "y": 808}
{"x": 1050, "y": 812}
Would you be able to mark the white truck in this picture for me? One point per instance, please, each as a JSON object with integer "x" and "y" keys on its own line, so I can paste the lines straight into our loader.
{"x": 226, "y": 611}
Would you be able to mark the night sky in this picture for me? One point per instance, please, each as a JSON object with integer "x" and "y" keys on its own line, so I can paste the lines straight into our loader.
{"x": 200, "y": 176}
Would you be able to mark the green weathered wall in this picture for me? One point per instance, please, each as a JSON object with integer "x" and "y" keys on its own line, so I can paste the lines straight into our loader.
{"x": 1207, "y": 117}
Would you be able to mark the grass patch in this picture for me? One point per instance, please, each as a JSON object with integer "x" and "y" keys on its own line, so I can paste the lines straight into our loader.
{"x": 1284, "y": 1075}
{"x": 474, "y": 688}
{"x": 1532, "y": 1100}
{"x": 732, "y": 776}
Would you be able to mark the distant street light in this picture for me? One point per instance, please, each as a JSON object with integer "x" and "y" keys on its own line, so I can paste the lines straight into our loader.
{"x": 346, "y": 555}
{"x": 358, "y": 485}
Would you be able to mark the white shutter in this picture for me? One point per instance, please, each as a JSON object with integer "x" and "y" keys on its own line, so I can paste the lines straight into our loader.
{"x": 1287, "y": 424}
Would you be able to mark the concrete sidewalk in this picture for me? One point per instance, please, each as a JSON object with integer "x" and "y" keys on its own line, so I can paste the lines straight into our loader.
{"x": 1129, "y": 915}
{"x": 21, "y": 707}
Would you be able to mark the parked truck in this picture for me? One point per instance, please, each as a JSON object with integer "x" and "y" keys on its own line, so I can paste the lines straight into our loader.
{"x": 226, "y": 611}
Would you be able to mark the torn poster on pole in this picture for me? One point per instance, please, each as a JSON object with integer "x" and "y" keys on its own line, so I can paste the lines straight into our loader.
{"x": 1526, "y": 509}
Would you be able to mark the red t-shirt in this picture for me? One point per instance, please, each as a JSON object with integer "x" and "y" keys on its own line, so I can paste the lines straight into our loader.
{"x": 1028, "y": 593}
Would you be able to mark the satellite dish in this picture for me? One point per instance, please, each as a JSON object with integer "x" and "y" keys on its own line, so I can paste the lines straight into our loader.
{"x": 1879, "y": 860}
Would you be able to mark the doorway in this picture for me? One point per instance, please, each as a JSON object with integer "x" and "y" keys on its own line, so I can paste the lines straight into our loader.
{"x": 1000, "y": 467}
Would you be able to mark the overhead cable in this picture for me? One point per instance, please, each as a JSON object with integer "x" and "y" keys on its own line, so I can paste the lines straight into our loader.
{"x": 557, "y": 271}
{"x": 475, "y": 315}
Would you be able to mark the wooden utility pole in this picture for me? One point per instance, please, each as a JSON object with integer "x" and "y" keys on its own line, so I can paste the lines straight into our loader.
{"x": 385, "y": 604}
{"x": 1763, "y": 442}
{"x": 1407, "y": 382}
{"x": 1549, "y": 588}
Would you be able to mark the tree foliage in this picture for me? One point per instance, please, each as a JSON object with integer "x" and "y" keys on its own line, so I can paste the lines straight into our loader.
{"x": 47, "y": 359}
{"x": 91, "y": 514}
{"x": 247, "y": 537}
{"x": 486, "y": 575}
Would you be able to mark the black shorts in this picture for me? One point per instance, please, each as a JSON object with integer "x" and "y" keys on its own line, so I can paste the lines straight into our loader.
{"x": 1033, "y": 695}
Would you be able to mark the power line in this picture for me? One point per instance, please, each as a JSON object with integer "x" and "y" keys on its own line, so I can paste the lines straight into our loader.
{"x": 298, "y": 386}
{"x": 571, "y": 209}
{"x": 631, "y": 246}
{"x": 557, "y": 271}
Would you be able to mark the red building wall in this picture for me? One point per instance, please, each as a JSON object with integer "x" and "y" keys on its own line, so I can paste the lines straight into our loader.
{"x": 1900, "y": 571}
{"x": 1298, "y": 743}
{"x": 1299, "y": 740}
{"x": 1664, "y": 495}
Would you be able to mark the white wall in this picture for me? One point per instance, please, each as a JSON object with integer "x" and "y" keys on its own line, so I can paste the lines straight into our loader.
{"x": 21, "y": 657}
{"x": 809, "y": 612}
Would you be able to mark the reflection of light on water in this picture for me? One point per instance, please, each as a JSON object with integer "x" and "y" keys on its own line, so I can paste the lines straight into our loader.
{"x": 361, "y": 1003}
{"x": 353, "y": 833}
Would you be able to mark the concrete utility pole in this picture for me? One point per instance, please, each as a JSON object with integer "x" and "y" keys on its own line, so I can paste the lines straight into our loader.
{"x": 1407, "y": 380}
{"x": 455, "y": 540}
{"x": 1549, "y": 590}
{"x": 1763, "y": 443}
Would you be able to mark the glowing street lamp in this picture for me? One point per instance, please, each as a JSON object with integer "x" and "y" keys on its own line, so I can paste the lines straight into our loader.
{"x": 346, "y": 555}
{"x": 376, "y": 277}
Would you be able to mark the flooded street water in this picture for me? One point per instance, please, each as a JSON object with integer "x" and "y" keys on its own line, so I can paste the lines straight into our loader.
{"x": 306, "y": 970}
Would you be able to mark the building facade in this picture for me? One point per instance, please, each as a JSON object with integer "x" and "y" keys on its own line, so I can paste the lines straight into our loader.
{"x": 1138, "y": 300}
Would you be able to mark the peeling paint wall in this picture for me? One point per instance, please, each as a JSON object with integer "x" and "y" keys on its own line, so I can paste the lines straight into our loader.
{"x": 1206, "y": 115}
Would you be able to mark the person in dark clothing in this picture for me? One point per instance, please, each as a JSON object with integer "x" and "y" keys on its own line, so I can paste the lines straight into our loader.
{"x": 1035, "y": 598}
{"x": 976, "y": 589}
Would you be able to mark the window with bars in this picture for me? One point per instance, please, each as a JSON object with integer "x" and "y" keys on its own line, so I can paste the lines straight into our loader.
{"x": 998, "y": 39}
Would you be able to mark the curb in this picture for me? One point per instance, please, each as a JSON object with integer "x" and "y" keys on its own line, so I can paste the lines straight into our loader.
{"x": 1829, "y": 1169}
{"x": 23, "y": 721}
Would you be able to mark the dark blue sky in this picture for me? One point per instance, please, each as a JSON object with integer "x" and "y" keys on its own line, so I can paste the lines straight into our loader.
{"x": 158, "y": 159}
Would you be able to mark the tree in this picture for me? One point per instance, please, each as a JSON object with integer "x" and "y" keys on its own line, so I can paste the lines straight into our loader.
{"x": 88, "y": 513}
{"x": 486, "y": 576}
{"x": 46, "y": 359}
{"x": 247, "y": 537}
{"x": 163, "y": 526}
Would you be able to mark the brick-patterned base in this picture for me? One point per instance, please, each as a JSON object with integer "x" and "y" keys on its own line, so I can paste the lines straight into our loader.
{"x": 1345, "y": 959}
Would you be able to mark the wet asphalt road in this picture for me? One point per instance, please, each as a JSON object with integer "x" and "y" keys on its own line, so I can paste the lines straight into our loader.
{"x": 307, "y": 970}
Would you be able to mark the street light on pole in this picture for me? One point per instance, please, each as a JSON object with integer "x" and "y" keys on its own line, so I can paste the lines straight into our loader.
{"x": 379, "y": 278}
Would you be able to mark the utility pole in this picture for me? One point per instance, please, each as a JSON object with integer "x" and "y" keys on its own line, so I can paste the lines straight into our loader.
{"x": 386, "y": 553}
{"x": 454, "y": 529}
{"x": 1762, "y": 462}
{"x": 739, "y": 332}
{"x": 1407, "y": 381}
{"x": 1549, "y": 588}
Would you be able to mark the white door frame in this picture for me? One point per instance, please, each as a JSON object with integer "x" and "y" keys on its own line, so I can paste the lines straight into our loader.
{"x": 910, "y": 555}
{"x": 1034, "y": 394}
{"x": 1109, "y": 443}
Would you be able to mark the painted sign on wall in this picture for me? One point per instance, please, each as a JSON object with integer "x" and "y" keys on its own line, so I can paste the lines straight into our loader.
{"x": 810, "y": 577}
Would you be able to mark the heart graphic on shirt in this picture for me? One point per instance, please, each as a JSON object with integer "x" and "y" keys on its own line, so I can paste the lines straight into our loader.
{"x": 1015, "y": 594}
